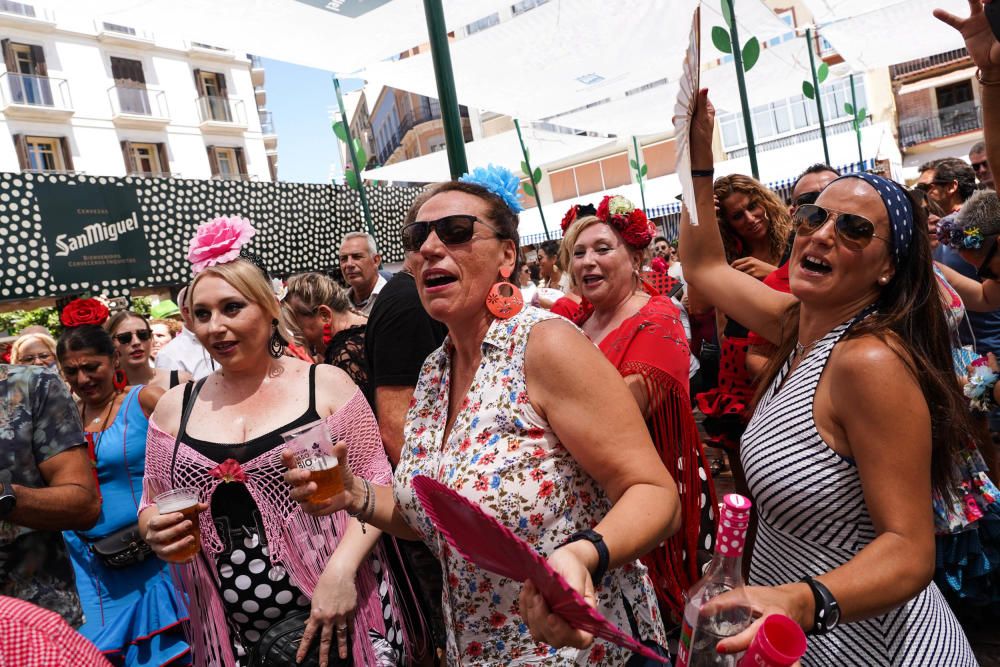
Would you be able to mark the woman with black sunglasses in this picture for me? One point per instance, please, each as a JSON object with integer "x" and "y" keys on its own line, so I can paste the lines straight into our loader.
{"x": 858, "y": 417}
{"x": 519, "y": 412}
{"x": 133, "y": 338}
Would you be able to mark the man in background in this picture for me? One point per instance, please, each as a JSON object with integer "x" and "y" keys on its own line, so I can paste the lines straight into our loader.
{"x": 359, "y": 262}
{"x": 977, "y": 156}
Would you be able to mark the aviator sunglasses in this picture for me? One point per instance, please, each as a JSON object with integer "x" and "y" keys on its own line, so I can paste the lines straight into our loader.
{"x": 855, "y": 231}
{"x": 452, "y": 230}
{"x": 126, "y": 338}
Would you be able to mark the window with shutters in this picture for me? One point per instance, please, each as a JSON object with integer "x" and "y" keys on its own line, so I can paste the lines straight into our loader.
{"x": 130, "y": 86}
{"x": 27, "y": 74}
{"x": 227, "y": 163}
{"x": 45, "y": 154}
{"x": 214, "y": 98}
{"x": 146, "y": 160}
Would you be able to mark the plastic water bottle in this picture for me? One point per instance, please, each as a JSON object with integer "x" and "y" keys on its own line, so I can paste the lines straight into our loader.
{"x": 706, "y": 623}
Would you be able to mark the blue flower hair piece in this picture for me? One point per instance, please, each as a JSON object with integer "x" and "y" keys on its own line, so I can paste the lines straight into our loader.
{"x": 952, "y": 233}
{"x": 500, "y": 181}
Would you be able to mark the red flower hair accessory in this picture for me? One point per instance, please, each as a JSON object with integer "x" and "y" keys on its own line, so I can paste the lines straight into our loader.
{"x": 576, "y": 212}
{"x": 84, "y": 311}
{"x": 631, "y": 223}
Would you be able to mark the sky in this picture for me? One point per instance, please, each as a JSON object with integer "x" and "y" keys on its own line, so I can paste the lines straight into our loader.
{"x": 300, "y": 100}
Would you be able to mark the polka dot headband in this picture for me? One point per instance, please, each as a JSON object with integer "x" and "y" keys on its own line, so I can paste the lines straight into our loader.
{"x": 897, "y": 204}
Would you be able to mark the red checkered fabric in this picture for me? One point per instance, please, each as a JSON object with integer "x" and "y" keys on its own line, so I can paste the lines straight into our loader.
{"x": 34, "y": 637}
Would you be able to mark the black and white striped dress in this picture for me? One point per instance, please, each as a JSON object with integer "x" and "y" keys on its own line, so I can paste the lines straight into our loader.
{"x": 813, "y": 518}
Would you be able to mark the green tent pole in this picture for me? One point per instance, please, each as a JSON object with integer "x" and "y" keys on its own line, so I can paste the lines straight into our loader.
{"x": 638, "y": 172}
{"x": 741, "y": 82}
{"x": 531, "y": 177}
{"x": 857, "y": 126}
{"x": 447, "y": 97}
{"x": 819, "y": 101}
{"x": 354, "y": 158}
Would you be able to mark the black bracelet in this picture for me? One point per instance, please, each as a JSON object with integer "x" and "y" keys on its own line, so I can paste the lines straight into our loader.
{"x": 703, "y": 173}
{"x": 603, "y": 555}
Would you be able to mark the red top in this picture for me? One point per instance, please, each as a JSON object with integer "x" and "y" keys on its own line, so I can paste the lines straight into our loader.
{"x": 779, "y": 281}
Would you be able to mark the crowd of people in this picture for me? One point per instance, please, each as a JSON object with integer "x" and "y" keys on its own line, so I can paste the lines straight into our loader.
{"x": 837, "y": 348}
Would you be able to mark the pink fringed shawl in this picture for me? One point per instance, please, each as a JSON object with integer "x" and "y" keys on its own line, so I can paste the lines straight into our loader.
{"x": 299, "y": 542}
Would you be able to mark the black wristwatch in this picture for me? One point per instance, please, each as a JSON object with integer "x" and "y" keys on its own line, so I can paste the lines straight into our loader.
{"x": 8, "y": 501}
{"x": 827, "y": 614}
{"x": 603, "y": 555}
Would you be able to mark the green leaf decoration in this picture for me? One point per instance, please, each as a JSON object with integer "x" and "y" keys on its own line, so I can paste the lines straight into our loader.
{"x": 807, "y": 90}
{"x": 645, "y": 168}
{"x": 528, "y": 189}
{"x": 727, "y": 13}
{"x": 524, "y": 168}
{"x": 862, "y": 114}
{"x": 537, "y": 175}
{"x": 633, "y": 164}
{"x": 822, "y": 72}
{"x": 352, "y": 179}
{"x": 848, "y": 108}
{"x": 751, "y": 52}
{"x": 362, "y": 156}
{"x": 340, "y": 129}
{"x": 720, "y": 37}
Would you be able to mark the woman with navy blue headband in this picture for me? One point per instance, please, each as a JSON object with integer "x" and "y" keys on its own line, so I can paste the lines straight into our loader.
{"x": 856, "y": 421}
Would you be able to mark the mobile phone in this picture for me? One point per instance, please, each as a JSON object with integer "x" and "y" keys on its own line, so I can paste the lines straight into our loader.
{"x": 993, "y": 16}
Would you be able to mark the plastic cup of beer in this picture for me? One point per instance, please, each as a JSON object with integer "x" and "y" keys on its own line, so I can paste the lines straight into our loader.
{"x": 312, "y": 447}
{"x": 185, "y": 501}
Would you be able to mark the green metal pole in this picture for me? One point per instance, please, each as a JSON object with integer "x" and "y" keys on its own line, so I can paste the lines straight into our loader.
{"x": 741, "y": 82}
{"x": 354, "y": 158}
{"x": 819, "y": 101}
{"x": 531, "y": 177}
{"x": 857, "y": 126}
{"x": 447, "y": 98}
{"x": 638, "y": 173}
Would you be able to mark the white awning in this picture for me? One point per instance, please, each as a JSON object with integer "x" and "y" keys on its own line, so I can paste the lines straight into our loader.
{"x": 501, "y": 149}
{"x": 879, "y": 33}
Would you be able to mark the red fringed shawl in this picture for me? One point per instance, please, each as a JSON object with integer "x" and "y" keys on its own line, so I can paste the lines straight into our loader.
{"x": 652, "y": 344}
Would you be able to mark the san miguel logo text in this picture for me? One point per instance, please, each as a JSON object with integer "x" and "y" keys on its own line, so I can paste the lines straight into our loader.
{"x": 95, "y": 233}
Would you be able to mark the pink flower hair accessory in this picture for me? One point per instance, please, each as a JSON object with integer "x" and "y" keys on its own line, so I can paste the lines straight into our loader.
{"x": 218, "y": 241}
{"x": 229, "y": 470}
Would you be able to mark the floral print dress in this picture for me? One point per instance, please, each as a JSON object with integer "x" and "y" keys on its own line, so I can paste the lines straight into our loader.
{"x": 503, "y": 456}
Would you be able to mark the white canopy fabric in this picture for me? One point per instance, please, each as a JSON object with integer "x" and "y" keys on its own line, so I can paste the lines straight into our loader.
{"x": 564, "y": 56}
{"x": 879, "y": 33}
{"x": 500, "y": 149}
{"x": 334, "y": 35}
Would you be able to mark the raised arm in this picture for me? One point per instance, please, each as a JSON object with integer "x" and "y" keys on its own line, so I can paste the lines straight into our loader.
{"x": 739, "y": 295}
{"x": 980, "y": 297}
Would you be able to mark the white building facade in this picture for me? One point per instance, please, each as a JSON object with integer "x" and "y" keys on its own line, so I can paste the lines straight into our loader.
{"x": 111, "y": 100}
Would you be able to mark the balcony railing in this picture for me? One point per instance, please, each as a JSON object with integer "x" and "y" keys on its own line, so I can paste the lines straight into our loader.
{"x": 34, "y": 91}
{"x": 216, "y": 109}
{"x": 921, "y": 64}
{"x": 233, "y": 177}
{"x": 948, "y": 121}
{"x": 256, "y": 62}
{"x": 135, "y": 100}
{"x": 266, "y": 122}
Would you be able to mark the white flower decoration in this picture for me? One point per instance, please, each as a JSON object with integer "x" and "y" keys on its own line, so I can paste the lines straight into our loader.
{"x": 279, "y": 288}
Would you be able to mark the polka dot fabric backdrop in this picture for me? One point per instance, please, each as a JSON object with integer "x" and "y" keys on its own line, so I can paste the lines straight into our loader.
{"x": 299, "y": 226}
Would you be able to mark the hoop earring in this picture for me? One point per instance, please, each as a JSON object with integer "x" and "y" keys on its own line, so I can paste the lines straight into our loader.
{"x": 504, "y": 300}
{"x": 276, "y": 345}
{"x": 120, "y": 380}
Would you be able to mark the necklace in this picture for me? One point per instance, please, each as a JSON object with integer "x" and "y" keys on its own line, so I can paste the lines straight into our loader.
{"x": 801, "y": 350}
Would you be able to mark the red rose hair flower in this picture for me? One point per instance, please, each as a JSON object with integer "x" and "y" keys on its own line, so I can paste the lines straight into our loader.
{"x": 631, "y": 223}
{"x": 84, "y": 311}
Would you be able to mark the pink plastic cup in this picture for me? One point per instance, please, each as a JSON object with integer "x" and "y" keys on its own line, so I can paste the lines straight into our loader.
{"x": 778, "y": 643}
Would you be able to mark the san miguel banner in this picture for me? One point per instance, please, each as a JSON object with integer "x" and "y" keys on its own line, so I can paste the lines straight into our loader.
{"x": 93, "y": 232}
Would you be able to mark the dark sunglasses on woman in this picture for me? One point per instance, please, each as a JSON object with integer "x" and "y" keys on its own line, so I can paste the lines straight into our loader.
{"x": 126, "y": 337}
{"x": 452, "y": 230}
{"x": 855, "y": 231}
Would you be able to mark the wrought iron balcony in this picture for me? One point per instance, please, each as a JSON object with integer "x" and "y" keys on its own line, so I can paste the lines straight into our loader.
{"x": 222, "y": 113}
{"x": 947, "y": 122}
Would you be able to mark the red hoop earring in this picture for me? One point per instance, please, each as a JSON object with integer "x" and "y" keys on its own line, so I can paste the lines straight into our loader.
{"x": 120, "y": 380}
{"x": 504, "y": 300}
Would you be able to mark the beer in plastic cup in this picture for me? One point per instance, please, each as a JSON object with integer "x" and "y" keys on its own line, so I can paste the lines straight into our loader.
{"x": 312, "y": 447}
{"x": 185, "y": 501}
{"x": 778, "y": 643}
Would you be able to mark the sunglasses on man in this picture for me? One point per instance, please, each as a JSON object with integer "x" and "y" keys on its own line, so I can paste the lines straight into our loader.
{"x": 806, "y": 198}
{"x": 982, "y": 165}
{"x": 451, "y": 230}
{"x": 126, "y": 337}
{"x": 926, "y": 187}
{"x": 854, "y": 231}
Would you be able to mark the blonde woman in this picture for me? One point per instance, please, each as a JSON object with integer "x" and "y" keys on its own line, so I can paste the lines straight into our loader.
{"x": 36, "y": 349}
